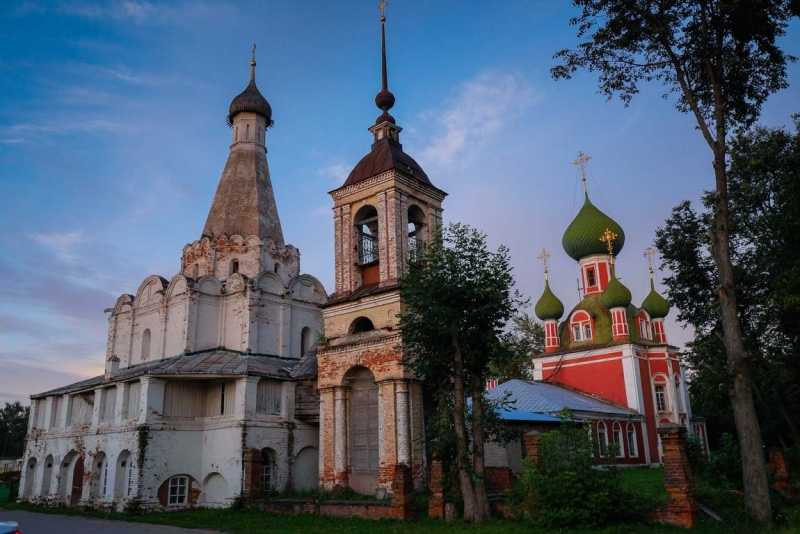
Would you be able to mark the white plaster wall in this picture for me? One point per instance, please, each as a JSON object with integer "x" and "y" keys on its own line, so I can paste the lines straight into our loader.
{"x": 175, "y": 341}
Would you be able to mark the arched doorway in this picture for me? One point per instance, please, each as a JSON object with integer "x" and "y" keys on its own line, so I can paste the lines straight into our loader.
{"x": 123, "y": 480}
{"x": 47, "y": 476}
{"x": 215, "y": 491}
{"x": 76, "y": 491}
{"x": 305, "y": 473}
{"x": 98, "y": 487}
{"x": 30, "y": 476}
{"x": 363, "y": 430}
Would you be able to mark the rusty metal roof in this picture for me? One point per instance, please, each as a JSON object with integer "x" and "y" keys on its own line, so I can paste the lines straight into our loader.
{"x": 211, "y": 363}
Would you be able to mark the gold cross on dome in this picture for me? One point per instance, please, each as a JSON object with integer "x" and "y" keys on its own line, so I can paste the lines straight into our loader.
{"x": 544, "y": 257}
{"x": 581, "y": 162}
{"x": 650, "y": 254}
{"x": 608, "y": 237}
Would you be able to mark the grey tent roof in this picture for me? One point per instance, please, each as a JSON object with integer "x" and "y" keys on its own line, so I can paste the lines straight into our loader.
{"x": 550, "y": 399}
{"x": 209, "y": 363}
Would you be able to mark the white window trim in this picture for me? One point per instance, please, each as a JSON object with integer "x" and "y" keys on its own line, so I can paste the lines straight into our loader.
{"x": 602, "y": 440}
{"x": 181, "y": 499}
{"x": 633, "y": 448}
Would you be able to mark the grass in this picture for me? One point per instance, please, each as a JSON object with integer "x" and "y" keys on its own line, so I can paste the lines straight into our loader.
{"x": 645, "y": 482}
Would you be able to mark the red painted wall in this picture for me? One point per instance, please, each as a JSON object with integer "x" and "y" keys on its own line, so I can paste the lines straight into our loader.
{"x": 602, "y": 378}
{"x": 649, "y": 410}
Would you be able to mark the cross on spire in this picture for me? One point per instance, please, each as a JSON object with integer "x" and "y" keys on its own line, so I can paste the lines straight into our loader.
{"x": 253, "y": 63}
{"x": 650, "y": 254}
{"x": 544, "y": 257}
{"x": 382, "y": 9}
{"x": 581, "y": 162}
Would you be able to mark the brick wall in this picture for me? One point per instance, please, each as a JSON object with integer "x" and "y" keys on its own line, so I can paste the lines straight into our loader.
{"x": 681, "y": 508}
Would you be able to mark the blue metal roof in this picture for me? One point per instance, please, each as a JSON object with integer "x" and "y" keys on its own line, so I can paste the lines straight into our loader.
{"x": 542, "y": 399}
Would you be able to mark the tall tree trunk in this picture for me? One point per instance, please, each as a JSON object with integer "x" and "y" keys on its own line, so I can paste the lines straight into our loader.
{"x": 754, "y": 473}
{"x": 459, "y": 427}
{"x": 478, "y": 440}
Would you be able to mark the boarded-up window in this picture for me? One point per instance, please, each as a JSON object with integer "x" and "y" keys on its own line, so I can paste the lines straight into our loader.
{"x": 109, "y": 404}
{"x": 268, "y": 398}
{"x": 54, "y": 412}
{"x": 132, "y": 406}
{"x": 199, "y": 399}
{"x": 80, "y": 409}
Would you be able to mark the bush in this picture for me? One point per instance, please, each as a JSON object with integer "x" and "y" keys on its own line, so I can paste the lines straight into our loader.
{"x": 725, "y": 466}
{"x": 566, "y": 489}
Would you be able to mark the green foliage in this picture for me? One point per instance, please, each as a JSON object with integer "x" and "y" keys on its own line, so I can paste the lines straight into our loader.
{"x": 764, "y": 179}
{"x": 566, "y": 489}
{"x": 13, "y": 427}
{"x": 524, "y": 339}
{"x": 725, "y": 466}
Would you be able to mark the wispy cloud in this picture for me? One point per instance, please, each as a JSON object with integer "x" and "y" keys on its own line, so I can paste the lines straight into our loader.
{"x": 144, "y": 12}
{"x": 11, "y": 140}
{"x": 337, "y": 172}
{"x": 18, "y": 132}
{"x": 476, "y": 114}
{"x": 63, "y": 244}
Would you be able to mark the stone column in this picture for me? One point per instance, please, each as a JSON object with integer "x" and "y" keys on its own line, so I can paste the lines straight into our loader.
{"x": 326, "y": 437}
{"x": 681, "y": 509}
{"x": 383, "y": 236}
{"x": 340, "y": 436}
{"x": 151, "y": 401}
{"x": 98, "y": 406}
{"x": 119, "y": 403}
{"x": 403, "y": 430}
{"x": 387, "y": 436}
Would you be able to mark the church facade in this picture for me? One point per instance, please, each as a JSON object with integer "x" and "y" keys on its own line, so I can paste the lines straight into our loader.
{"x": 208, "y": 392}
{"x": 240, "y": 376}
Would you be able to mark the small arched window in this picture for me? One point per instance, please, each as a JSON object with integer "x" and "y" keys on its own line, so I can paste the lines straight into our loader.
{"x": 235, "y": 133}
{"x": 234, "y": 266}
{"x": 247, "y": 132}
{"x": 366, "y": 223}
{"x": 276, "y": 268}
{"x": 616, "y": 436}
{"x": 269, "y": 470}
{"x": 362, "y": 324}
{"x": 306, "y": 341}
{"x": 146, "y": 344}
{"x": 602, "y": 439}
{"x": 416, "y": 223}
{"x": 581, "y": 326}
{"x": 633, "y": 442}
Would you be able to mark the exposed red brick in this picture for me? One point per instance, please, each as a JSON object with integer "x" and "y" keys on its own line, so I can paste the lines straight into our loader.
{"x": 436, "y": 500}
{"x": 681, "y": 508}
{"x": 531, "y": 442}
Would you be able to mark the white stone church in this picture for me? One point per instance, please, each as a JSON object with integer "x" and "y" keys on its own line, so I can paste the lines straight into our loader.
{"x": 209, "y": 390}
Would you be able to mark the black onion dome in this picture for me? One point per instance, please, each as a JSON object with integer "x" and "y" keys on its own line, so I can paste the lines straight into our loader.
{"x": 250, "y": 100}
{"x": 384, "y": 100}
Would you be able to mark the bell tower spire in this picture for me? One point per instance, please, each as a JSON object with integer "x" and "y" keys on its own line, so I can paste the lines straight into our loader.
{"x": 385, "y": 126}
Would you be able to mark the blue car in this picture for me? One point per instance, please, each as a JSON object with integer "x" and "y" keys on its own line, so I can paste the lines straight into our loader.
{"x": 9, "y": 527}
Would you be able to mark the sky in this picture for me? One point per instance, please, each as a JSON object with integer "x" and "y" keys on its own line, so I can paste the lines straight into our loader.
{"x": 113, "y": 138}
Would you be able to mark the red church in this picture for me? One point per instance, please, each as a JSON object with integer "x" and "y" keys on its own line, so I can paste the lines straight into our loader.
{"x": 610, "y": 349}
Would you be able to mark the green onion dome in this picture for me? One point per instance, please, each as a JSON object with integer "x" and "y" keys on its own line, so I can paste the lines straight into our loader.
{"x": 616, "y": 295}
{"x": 582, "y": 236}
{"x": 654, "y": 304}
{"x": 548, "y": 305}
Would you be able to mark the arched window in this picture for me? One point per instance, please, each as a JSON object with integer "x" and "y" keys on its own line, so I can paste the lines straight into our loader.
{"x": 362, "y": 324}
{"x": 47, "y": 476}
{"x": 616, "y": 436}
{"x": 416, "y": 223}
{"x": 660, "y": 392}
{"x": 269, "y": 470}
{"x": 602, "y": 439}
{"x": 29, "y": 478}
{"x": 195, "y": 271}
{"x": 645, "y": 327}
{"x": 247, "y": 132}
{"x": 145, "y": 344}
{"x": 581, "y": 326}
{"x": 633, "y": 442}
{"x": 306, "y": 340}
{"x": 276, "y": 268}
{"x": 366, "y": 223}
{"x": 234, "y": 266}
{"x": 178, "y": 491}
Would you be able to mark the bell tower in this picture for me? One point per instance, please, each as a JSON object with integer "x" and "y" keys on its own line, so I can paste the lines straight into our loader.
{"x": 370, "y": 403}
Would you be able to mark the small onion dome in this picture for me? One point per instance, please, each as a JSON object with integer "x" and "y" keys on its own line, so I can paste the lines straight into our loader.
{"x": 616, "y": 295}
{"x": 385, "y": 117}
{"x": 250, "y": 100}
{"x": 548, "y": 306}
{"x": 582, "y": 236}
{"x": 654, "y": 304}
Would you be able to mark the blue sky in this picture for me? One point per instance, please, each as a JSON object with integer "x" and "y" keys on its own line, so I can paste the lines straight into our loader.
{"x": 113, "y": 136}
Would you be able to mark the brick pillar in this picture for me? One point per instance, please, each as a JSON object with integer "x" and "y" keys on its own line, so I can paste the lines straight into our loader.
{"x": 681, "y": 509}
{"x": 780, "y": 473}
{"x": 531, "y": 442}
{"x": 436, "y": 500}
{"x": 402, "y": 489}
{"x": 340, "y": 437}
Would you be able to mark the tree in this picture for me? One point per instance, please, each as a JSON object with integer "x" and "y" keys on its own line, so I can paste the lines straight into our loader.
{"x": 13, "y": 427}
{"x": 524, "y": 340}
{"x": 764, "y": 182}
{"x": 720, "y": 59}
{"x": 458, "y": 298}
